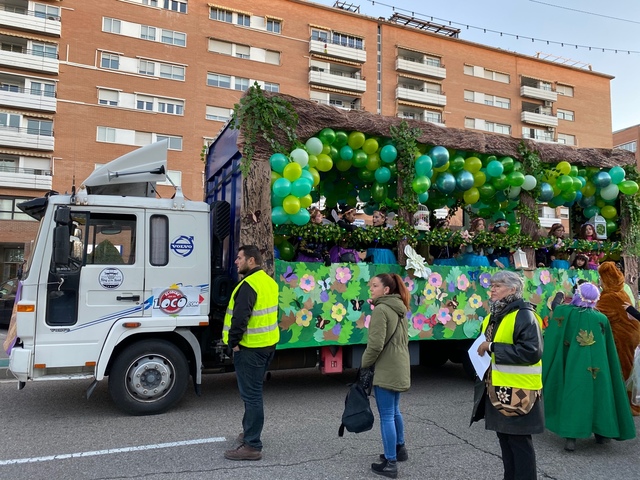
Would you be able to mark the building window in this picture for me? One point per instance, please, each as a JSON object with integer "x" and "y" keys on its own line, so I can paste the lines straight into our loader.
{"x": 171, "y": 107}
{"x": 39, "y": 127}
{"x": 486, "y": 73}
{"x": 106, "y": 134}
{"x": 629, "y": 146}
{"x": 218, "y": 46}
{"x": 175, "y": 143}
{"x": 44, "y": 89}
{"x": 274, "y": 26}
{"x": 44, "y": 50}
{"x": 243, "y": 51}
{"x": 108, "y": 97}
{"x": 217, "y": 80}
{"x": 537, "y": 134}
{"x": 110, "y": 60}
{"x": 10, "y": 120}
{"x": 272, "y": 57}
{"x": 218, "y": 114}
{"x": 151, "y": 3}
{"x": 144, "y": 103}
{"x": 497, "y": 128}
{"x": 146, "y": 67}
{"x": 174, "y": 38}
{"x": 347, "y": 40}
{"x": 565, "y": 115}
{"x": 221, "y": 15}
{"x": 176, "y": 5}
{"x": 272, "y": 87}
{"x": 174, "y": 72}
{"x": 319, "y": 35}
{"x": 433, "y": 117}
{"x": 241, "y": 84}
{"x": 244, "y": 20}
{"x": 147, "y": 32}
{"x": 566, "y": 139}
{"x": 432, "y": 61}
{"x": 565, "y": 90}
{"x": 111, "y": 25}
{"x": 10, "y": 211}
{"x": 46, "y": 11}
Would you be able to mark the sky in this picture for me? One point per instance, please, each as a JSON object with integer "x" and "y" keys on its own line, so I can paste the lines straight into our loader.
{"x": 613, "y": 25}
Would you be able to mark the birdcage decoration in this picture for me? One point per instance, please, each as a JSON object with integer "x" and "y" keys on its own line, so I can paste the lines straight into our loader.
{"x": 421, "y": 218}
{"x": 599, "y": 226}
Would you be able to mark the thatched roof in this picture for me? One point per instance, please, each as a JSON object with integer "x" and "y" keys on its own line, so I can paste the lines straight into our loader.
{"x": 313, "y": 117}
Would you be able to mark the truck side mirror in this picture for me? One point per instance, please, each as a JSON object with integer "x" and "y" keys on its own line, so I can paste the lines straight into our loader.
{"x": 62, "y": 216}
{"x": 61, "y": 245}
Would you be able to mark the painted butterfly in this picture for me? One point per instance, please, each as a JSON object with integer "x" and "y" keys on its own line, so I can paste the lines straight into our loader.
{"x": 473, "y": 275}
{"x": 453, "y": 303}
{"x": 289, "y": 276}
{"x": 253, "y": 217}
{"x": 418, "y": 299}
{"x": 324, "y": 284}
{"x": 321, "y": 322}
{"x": 357, "y": 304}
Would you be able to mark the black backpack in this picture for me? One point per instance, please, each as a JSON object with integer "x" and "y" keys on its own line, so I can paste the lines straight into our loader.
{"x": 357, "y": 416}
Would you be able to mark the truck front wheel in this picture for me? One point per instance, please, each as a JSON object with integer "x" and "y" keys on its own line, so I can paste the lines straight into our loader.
{"x": 148, "y": 377}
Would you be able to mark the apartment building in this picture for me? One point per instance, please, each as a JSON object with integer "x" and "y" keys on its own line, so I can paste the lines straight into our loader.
{"x": 82, "y": 82}
{"x": 628, "y": 139}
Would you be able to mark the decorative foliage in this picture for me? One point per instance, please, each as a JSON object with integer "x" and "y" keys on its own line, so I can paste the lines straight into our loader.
{"x": 405, "y": 140}
{"x": 261, "y": 116}
{"x": 630, "y": 208}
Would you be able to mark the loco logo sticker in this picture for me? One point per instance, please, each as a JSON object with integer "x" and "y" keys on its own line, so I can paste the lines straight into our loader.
{"x": 182, "y": 246}
{"x": 175, "y": 301}
{"x": 110, "y": 278}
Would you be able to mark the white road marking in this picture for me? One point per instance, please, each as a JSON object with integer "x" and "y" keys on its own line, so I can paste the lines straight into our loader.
{"x": 112, "y": 451}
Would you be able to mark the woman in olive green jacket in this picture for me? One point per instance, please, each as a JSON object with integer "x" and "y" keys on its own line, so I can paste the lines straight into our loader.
{"x": 388, "y": 349}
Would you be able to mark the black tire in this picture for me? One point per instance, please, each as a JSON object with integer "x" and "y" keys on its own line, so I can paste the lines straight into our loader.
{"x": 163, "y": 374}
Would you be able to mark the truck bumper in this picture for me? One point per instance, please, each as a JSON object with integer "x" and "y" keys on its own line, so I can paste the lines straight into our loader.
{"x": 20, "y": 363}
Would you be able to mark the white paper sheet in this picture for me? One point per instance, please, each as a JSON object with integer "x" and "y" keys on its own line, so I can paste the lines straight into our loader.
{"x": 480, "y": 363}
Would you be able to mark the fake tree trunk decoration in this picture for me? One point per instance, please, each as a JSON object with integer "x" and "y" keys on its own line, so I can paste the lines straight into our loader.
{"x": 256, "y": 227}
{"x": 628, "y": 231}
{"x": 528, "y": 226}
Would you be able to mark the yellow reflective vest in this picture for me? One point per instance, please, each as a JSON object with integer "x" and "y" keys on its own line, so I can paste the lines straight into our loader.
{"x": 518, "y": 376}
{"x": 262, "y": 329}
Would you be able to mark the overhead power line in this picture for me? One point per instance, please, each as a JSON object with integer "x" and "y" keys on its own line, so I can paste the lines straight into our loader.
{"x": 585, "y": 12}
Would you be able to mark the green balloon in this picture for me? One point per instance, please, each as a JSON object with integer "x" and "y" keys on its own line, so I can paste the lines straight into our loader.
{"x": 486, "y": 191}
{"x": 378, "y": 192}
{"x": 364, "y": 195}
{"x": 287, "y": 251}
{"x": 327, "y": 136}
{"x": 365, "y": 175}
{"x": 507, "y": 164}
{"x": 515, "y": 178}
{"x": 359, "y": 157}
{"x": 456, "y": 164}
{"x": 341, "y": 139}
{"x": 420, "y": 184}
{"x": 500, "y": 182}
{"x": 628, "y": 187}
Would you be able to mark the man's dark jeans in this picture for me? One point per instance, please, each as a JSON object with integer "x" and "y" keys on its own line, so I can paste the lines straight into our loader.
{"x": 251, "y": 366}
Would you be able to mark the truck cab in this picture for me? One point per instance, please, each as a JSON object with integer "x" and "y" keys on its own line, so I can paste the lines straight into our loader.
{"x": 116, "y": 282}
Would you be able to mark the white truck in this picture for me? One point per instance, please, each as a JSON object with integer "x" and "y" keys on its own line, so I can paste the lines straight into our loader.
{"x": 118, "y": 284}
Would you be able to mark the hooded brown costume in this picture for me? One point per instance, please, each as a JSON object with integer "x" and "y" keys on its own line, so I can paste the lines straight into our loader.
{"x": 626, "y": 331}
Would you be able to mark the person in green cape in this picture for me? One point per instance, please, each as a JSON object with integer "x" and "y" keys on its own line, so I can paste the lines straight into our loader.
{"x": 583, "y": 388}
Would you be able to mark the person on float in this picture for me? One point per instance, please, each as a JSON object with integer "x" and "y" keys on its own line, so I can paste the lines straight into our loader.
{"x": 588, "y": 233}
{"x": 314, "y": 250}
{"x": 378, "y": 251}
{"x": 474, "y": 256}
{"x": 580, "y": 262}
{"x": 553, "y": 256}
{"x": 443, "y": 255}
{"x": 343, "y": 252}
{"x": 499, "y": 256}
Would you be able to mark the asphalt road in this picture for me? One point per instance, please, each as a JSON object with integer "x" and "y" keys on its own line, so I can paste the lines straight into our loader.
{"x": 50, "y": 431}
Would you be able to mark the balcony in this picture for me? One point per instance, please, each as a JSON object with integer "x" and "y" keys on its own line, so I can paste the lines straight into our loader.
{"x": 25, "y": 138}
{"x": 27, "y": 98}
{"x": 338, "y": 51}
{"x": 31, "y": 60}
{"x": 538, "y": 93}
{"x": 539, "y": 119}
{"x": 337, "y": 80}
{"x": 28, "y": 20}
{"x": 425, "y": 96}
{"x": 25, "y": 178}
{"x": 420, "y": 68}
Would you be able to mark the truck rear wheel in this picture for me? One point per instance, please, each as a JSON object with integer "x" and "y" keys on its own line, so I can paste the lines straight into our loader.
{"x": 148, "y": 377}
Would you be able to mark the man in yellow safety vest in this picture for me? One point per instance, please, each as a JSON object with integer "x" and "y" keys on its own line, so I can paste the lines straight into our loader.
{"x": 251, "y": 331}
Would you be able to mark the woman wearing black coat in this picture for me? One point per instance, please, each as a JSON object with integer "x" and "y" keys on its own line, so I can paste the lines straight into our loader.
{"x": 509, "y": 395}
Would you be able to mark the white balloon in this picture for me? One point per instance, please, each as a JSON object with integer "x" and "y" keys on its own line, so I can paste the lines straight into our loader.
{"x": 300, "y": 156}
{"x": 514, "y": 192}
{"x": 610, "y": 192}
{"x": 314, "y": 146}
{"x": 530, "y": 182}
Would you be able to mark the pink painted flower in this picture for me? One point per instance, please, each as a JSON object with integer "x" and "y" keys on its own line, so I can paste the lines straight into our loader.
{"x": 303, "y": 317}
{"x": 338, "y": 312}
{"x": 463, "y": 282}
{"x": 307, "y": 283}
{"x": 443, "y": 316}
{"x": 418, "y": 321}
{"x": 459, "y": 317}
{"x": 367, "y": 321}
{"x": 435, "y": 280}
{"x": 409, "y": 283}
{"x": 343, "y": 274}
{"x": 545, "y": 277}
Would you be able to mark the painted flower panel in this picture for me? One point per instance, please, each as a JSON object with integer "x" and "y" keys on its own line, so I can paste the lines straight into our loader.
{"x": 343, "y": 274}
{"x": 443, "y": 316}
{"x": 435, "y": 279}
{"x": 338, "y": 312}
{"x": 459, "y": 317}
{"x": 463, "y": 282}
{"x": 303, "y": 317}
{"x": 307, "y": 283}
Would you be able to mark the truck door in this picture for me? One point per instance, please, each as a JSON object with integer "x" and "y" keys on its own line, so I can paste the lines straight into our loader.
{"x": 103, "y": 282}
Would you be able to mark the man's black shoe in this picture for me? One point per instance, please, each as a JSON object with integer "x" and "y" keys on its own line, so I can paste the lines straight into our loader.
{"x": 385, "y": 468}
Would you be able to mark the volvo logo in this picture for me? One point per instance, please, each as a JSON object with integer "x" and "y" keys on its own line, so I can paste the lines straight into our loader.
{"x": 182, "y": 246}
